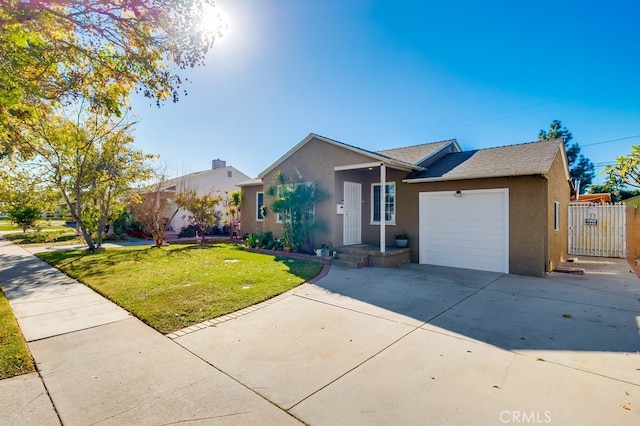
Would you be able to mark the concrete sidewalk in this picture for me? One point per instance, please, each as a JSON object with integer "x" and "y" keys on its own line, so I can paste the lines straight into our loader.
{"x": 415, "y": 344}
{"x": 98, "y": 364}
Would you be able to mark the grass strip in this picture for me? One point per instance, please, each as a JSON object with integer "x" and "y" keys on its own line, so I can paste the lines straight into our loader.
{"x": 15, "y": 358}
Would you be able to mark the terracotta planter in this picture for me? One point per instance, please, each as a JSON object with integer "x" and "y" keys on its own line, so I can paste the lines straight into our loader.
{"x": 287, "y": 249}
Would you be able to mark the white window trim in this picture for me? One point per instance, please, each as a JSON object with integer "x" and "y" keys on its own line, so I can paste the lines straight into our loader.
{"x": 258, "y": 219}
{"x": 556, "y": 216}
{"x": 395, "y": 202}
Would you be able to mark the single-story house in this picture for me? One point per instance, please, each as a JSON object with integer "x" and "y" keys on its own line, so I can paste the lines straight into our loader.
{"x": 500, "y": 209}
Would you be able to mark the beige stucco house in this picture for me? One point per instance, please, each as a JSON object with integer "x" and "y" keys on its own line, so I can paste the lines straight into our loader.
{"x": 500, "y": 209}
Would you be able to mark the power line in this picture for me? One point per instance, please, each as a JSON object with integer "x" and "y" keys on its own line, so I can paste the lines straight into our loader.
{"x": 612, "y": 140}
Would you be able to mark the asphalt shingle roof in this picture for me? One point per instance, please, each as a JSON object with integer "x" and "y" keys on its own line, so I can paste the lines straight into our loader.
{"x": 531, "y": 158}
{"x": 416, "y": 153}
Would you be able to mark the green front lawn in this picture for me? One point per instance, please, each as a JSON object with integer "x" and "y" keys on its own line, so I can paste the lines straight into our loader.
{"x": 6, "y": 225}
{"x": 45, "y": 225}
{"x": 54, "y": 237}
{"x": 178, "y": 286}
{"x": 15, "y": 358}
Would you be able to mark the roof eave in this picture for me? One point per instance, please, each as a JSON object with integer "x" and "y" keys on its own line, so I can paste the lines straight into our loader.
{"x": 436, "y": 152}
{"x": 451, "y": 178}
{"x": 394, "y": 163}
{"x": 405, "y": 167}
{"x": 252, "y": 182}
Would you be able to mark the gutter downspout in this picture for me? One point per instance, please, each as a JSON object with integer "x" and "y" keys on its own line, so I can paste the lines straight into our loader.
{"x": 383, "y": 200}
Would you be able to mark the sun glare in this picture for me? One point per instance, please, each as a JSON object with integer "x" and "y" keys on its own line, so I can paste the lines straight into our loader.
{"x": 214, "y": 21}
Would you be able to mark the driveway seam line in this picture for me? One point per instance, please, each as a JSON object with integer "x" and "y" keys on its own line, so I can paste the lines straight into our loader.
{"x": 388, "y": 346}
{"x": 562, "y": 301}
{"x": 463, "y": 300}
{"x": 353, "y": 310}
{"x": 239, "y": 382}
{"x": 559, "y": 364}
{"x": 355, "y": 367}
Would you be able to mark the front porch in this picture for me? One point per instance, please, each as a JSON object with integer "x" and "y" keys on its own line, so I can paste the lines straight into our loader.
{"x": 360, "y": 255}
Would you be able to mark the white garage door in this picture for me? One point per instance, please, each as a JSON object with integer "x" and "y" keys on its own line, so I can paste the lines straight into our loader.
{"x": 465, "y": 230}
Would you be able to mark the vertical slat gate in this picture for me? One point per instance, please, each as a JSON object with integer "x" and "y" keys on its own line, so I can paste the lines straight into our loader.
{"x": 597, "y": 230}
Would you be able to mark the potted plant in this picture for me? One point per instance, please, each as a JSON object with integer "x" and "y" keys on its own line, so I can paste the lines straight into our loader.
{"x": 286, "y": 241}
{"x": 402, "y": 240}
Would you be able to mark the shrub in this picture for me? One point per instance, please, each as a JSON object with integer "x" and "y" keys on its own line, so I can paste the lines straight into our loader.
{"x": 252, "y": 241}
{"x": 25, "y": 216}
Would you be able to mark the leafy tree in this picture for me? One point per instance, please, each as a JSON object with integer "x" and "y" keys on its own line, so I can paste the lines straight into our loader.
{"x": 25, "y": 216}
{"x": 91, "y": 161}
{"x": 580, "y": 167}
{"x": 61, "y": 50}
{"x": 21, "y": 187}
{"x": 235, "y": 203}
{"x": 294, "y": 200}
{"x": 202, "y": 208}
{"x": 154, "y": 208}
{"x": 626, "y": 170}
{"x": 618, "y": 193}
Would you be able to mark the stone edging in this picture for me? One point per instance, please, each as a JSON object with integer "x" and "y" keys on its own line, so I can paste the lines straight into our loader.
{"x": 225, "y": 318}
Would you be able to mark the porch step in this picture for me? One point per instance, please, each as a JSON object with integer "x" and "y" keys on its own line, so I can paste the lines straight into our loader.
{"x": 353, "y": 261}
{"x": 360, "y": 255}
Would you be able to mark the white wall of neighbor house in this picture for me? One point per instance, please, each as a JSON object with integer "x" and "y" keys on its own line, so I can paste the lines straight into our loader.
{"x": 220, "y": 180}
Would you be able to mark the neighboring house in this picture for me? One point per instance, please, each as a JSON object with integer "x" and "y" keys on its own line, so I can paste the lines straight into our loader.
{"x": 499, "y": 209}
{"x": 220, "y": 180}
{"x": 601, "y": 198}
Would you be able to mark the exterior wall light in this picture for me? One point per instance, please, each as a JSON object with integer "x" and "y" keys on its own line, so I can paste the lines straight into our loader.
{"x": 458, "y": 193}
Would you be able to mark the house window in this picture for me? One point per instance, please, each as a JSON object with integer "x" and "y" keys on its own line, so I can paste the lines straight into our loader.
{"x": 259, "y": 204}
{"x": 556, "y": 216}
{"x": 229, "y": 173}
{"x": 389, "y": 203}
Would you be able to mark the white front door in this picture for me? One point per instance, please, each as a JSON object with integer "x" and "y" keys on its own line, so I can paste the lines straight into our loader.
{"x": 352, "y": 218}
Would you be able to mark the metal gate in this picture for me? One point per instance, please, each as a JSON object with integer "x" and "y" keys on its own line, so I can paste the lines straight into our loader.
{"x": 597, "y": 230}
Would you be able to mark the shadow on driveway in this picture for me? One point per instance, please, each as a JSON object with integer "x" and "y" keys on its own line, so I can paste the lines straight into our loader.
{"x": 597, "y": 311}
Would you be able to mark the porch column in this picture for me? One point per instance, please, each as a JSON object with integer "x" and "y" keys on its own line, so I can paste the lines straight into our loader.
{"x": 383, "y": 198}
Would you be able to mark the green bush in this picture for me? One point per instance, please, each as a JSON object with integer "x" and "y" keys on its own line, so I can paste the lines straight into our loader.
{"x": 25, "y": 216}
{"x": 252, "y": 241}
{"x": 189, "y": 232}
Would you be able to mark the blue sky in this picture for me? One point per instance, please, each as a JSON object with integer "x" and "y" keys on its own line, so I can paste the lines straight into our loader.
{"x": 385, "y": 74}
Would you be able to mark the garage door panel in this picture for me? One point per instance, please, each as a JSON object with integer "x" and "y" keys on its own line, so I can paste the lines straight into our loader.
{"x": 461, "y": 243}
{"x": 487, "y": 263}
{"x": 470, "y": 231}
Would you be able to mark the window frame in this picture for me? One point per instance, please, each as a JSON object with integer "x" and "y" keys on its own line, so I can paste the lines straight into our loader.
{"x": 393, "y": 203}
{"x": 259, "y": 217}
{"x": 556, "y": 216}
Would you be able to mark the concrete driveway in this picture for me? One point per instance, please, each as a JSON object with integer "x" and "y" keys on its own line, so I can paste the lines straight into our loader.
{"x": 431, "y": 345}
